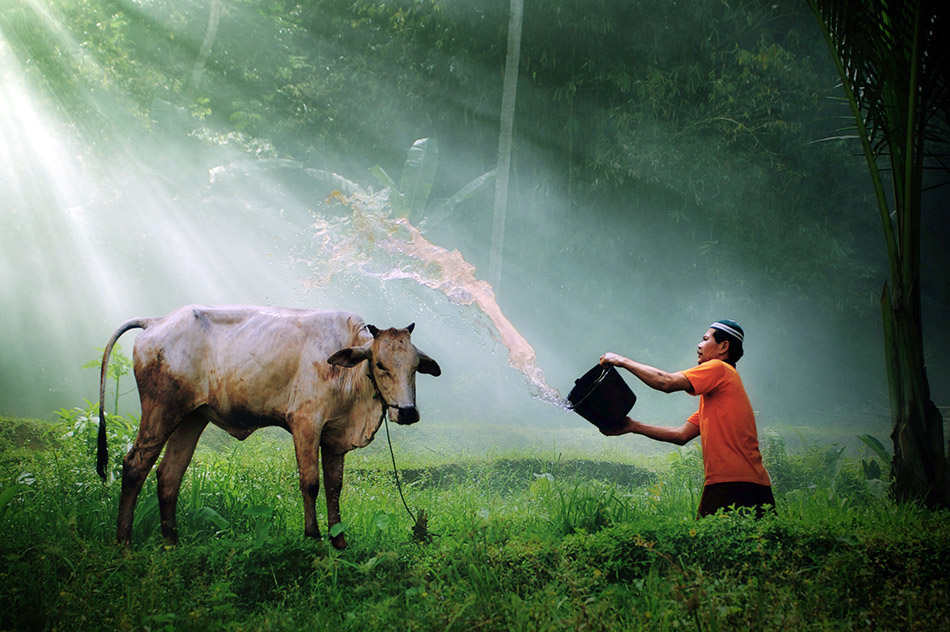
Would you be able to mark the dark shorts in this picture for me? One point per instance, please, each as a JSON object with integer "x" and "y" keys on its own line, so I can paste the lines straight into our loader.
{"x": 739, "y": 494}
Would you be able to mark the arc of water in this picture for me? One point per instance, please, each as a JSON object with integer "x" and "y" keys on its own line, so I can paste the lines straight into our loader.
{"x": 432, "y": 266}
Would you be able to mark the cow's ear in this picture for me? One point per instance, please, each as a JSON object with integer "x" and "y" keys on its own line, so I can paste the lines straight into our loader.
{"x": 373, "y": 330}
{"x": 350, "y": 356}
{"x": 428, "y": 366}
{"x": 411, "y": 327}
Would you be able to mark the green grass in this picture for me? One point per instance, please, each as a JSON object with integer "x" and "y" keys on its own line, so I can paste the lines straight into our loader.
{"x": 526, "y": 538}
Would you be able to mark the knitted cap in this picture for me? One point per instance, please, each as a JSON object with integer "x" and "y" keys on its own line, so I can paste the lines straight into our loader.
{"x": 729, "y": 327}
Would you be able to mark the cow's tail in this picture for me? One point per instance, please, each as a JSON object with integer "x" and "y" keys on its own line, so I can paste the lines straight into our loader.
{"x": 102, "y": 453}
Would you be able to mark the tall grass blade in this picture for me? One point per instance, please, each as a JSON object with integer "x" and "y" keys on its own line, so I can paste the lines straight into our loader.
{"x": 7, "y": 495}
{"x": 208, "y": 514}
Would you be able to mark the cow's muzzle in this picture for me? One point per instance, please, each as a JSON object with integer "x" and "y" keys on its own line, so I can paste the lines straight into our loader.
{"x": 404, "y": 415}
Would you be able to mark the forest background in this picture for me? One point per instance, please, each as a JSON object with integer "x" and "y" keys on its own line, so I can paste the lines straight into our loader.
{"x": 672, "y": 163}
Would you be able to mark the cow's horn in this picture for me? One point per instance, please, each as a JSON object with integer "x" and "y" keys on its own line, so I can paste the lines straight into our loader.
{"x": 411, "y": 327}
{"x": 373, "y": 330}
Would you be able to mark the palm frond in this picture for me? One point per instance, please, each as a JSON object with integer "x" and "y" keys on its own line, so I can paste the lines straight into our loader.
{"x": 894, "y": 54}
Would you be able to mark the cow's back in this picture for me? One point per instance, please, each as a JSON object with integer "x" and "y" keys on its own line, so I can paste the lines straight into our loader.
{"x": 241, "y": 358}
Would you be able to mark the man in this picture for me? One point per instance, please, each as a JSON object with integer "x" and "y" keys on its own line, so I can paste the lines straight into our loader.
{"x": 725, "y": 422}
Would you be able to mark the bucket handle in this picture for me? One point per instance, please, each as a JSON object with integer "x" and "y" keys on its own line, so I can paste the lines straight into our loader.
{"x": 593, "y": 387}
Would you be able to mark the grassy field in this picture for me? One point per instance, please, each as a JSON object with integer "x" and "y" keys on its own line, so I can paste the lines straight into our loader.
{"x": 531, "y": 536}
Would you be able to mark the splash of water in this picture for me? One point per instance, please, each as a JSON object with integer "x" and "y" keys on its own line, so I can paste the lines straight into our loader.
{"x": 390, "y": 249}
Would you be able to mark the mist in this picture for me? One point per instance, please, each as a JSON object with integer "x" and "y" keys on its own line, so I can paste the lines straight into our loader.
{"x": 153, "y": 175}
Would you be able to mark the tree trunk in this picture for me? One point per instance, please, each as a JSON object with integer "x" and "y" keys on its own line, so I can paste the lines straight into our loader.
{"x": 214, "y": 18}
{"x": 509, "y": 93}
{"x": 919, "y": 465}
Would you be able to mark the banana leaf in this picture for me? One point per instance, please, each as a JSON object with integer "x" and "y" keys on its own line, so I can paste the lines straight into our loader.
{"x": 466, "y": 192}
{"x": 418, "y": 173}
{"x": 876, "y": 446}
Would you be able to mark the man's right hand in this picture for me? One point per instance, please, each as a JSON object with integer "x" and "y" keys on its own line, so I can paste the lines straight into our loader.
{"x": 624, "y": 428}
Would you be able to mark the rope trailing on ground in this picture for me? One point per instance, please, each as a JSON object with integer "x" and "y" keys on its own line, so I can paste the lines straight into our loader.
{"x": 385, "y": 418}
{"x": 420, "y": 528}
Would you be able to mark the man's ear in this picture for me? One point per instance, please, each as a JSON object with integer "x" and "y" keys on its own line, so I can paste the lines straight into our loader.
{"x": 428, "y": 366}
{"x": 350, "y": 356}
{"x": 724, "y": 347}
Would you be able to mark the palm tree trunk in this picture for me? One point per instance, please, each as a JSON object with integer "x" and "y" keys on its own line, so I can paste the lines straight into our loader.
{"x": 919, "y": 465}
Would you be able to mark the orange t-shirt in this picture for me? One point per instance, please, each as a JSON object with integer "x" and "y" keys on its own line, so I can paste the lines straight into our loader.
{"x": 726, "y": 425}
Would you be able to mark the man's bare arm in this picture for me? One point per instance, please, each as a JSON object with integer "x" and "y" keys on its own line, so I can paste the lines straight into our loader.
{"x": 651, "y": 376}
{"x": 680, "y": 436}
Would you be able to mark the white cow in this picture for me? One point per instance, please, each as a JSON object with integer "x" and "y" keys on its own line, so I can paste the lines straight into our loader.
{"x": 324, "y": 376}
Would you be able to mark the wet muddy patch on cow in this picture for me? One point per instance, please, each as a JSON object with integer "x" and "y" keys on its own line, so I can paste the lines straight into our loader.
{"x": 328, "y": 372}
{"x": 156, "y": 382}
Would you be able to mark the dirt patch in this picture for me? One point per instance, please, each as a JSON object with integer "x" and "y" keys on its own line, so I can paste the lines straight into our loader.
{"x": 519, "y": 473}
{"x": 32, "y": 434}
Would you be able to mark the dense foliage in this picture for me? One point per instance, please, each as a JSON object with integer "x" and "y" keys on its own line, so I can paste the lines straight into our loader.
{"x": 689, "y": 157}
{"x": 524, "y": 542}
{"x": 699, "y": 117}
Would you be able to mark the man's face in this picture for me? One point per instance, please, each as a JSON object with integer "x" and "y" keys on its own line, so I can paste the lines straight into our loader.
{"x": 709, "y": 349}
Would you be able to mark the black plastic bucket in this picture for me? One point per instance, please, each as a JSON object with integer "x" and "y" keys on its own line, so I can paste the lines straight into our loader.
{"x": 602, "y": 397}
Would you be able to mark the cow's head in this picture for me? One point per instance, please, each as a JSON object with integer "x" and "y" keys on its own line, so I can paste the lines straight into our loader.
{"x": 393, "y": 363}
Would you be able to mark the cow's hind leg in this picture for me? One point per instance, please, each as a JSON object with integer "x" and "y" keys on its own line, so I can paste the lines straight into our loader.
{"x": 178, "y": 452}
{"x": 333, "y": 483}
{"x": 155, "y": 427}
{"x": 306, "y": 446}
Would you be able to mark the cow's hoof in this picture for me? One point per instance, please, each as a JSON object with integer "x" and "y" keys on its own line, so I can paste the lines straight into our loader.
{"x": 339, "y": 542}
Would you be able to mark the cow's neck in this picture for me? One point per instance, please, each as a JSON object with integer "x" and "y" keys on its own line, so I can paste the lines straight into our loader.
{"x": 357, "y": 427}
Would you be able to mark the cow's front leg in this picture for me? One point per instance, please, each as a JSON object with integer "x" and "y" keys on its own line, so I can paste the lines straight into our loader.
{"x": 333, "y": 479}
{"x": 306, "y": 446}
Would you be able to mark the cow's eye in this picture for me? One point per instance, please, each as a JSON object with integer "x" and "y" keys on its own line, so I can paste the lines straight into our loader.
{"x": 379, "y": 365}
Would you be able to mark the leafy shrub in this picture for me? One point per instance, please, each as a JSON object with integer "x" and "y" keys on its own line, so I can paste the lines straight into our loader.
{"x": 79, "y": 427}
